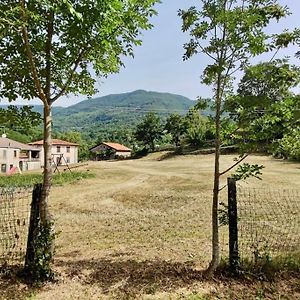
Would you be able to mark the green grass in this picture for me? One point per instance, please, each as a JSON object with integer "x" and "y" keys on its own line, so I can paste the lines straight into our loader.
{"x": 27, "y": 180}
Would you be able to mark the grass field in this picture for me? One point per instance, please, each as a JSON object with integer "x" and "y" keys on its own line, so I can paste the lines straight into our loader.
{"x": 141, "y": 229}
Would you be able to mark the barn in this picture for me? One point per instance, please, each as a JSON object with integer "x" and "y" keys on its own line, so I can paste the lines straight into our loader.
{"x": 108, "y": 150}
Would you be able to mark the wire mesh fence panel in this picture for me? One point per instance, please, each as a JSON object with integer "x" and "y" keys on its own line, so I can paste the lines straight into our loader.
{"x": 268, "y": 223}
{"x": 14, "y": 223}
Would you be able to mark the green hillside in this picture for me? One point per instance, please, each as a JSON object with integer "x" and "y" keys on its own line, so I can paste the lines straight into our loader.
{"x": 119, "y": 110}
{"x": 107, "y": 116}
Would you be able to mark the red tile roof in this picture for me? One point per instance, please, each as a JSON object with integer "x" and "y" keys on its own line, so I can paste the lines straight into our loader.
{"x": 55, "y": 142}
{"x": 117, "y": 147}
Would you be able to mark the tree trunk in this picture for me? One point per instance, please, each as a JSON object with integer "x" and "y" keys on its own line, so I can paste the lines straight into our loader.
{"x": 47, "y": 180}
{"x": 215, "y": 203}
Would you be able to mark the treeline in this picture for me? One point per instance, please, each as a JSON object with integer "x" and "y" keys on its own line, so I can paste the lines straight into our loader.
{"x": 262, "y": 116}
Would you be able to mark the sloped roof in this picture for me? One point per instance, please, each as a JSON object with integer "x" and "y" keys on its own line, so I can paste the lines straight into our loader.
{"x": 55, "y": 142}
{"x": 8, "y": 143}
{"x": 116, "y": 146}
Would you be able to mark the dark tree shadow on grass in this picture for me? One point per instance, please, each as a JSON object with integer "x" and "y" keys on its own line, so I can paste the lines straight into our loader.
{"x": 133, "y": 277}
{"x": 12, "y": 286}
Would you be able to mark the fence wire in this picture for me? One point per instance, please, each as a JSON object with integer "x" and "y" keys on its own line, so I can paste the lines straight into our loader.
{"x": 268, "y": 222}
{"x": 14, "y": 223}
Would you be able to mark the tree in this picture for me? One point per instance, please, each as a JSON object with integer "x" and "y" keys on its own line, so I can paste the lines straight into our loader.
{"x": 19, "y": 119}
{"x": 20, "y": 123}
{"x": 229, "y": 33}
{"x": 176, "y": 126}
{"x": 264, "y": 107}
{"x": 149, "y": 131}
{"x": 289, "y": 145}
{"x": 52, "y": 48}
{"x": 196, "y": 127}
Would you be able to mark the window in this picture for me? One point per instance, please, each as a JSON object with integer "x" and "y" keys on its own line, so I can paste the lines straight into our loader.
{"x": 15, "y": 153}
{"x": 68, "y": 160}
{"x": 68, "y": 149}
{"x": 58, "y": 149}
{"x": 4, "y": 154}
{"x": 3, "y": 168}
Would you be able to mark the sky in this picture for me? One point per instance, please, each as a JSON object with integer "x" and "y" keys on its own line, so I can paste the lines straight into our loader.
{"x": 158, "y": 64}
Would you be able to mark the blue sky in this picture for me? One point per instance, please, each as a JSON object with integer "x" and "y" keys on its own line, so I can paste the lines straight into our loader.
{"x": 158, "y": 64}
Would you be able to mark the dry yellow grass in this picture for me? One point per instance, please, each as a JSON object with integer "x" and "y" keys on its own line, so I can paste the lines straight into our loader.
{"x": 141, "y": 228}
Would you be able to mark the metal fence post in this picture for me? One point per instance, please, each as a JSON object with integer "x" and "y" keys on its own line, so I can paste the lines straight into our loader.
{"x": 33, "y": 225}
{"x": 233, "y": 225}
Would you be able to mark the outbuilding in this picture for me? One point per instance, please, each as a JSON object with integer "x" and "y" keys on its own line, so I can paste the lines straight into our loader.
{"x": 111, "y": 150}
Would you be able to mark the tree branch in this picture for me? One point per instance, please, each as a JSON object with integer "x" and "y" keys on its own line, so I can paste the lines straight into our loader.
{"x": 48, "y": 53}
{"x": 69, "y": 80}
{"x": 207, "y": 53}
{"x": 234, "y": 165}
{"x": 30, "y": 56}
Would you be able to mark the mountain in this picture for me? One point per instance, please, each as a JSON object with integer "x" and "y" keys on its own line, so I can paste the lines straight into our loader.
{"x": 118, "y": 110}
{"x": 113, "y": 113}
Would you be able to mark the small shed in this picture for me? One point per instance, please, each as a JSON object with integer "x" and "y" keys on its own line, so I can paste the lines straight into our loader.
{"x": 111, "y": 150}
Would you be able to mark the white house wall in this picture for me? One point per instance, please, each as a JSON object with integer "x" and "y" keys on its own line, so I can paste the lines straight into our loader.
{"x": 122, "y": 153}
{"x": 7, "y": 157}
{"x": 72, "y": 155}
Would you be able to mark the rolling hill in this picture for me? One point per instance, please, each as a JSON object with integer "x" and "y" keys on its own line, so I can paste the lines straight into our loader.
{"x": 118, "y": 110}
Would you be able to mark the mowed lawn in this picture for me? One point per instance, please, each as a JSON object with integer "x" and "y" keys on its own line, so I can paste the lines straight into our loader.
{"x": 142, "y": 229}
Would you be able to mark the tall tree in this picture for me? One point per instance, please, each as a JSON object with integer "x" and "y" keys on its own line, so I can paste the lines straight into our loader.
{"x": 265, "y": 107}
{"x": 52, "y": 48}
{"x": 196, "y": 126}
{"x": 176, "y": 126}
{"x": 229, "y": 33}
{"x": 149, "y": 131}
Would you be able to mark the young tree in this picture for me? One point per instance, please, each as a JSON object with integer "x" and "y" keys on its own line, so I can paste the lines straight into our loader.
{"x": 229, "y": 33}
{"x": 149, "y": 131}
{"x": 52, "y": 48}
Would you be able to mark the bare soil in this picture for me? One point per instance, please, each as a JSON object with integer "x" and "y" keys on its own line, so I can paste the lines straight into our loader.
{"x": 141, "y": 229}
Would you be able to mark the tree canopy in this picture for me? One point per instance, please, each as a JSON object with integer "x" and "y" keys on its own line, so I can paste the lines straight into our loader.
{"x": 52, "y": 48}
{"x": 229, "y": 33}
{"x": 149, "y": 131}
{"x": 265, "y": 107}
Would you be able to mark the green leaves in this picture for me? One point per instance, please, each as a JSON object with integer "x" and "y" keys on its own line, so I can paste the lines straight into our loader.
{"x": 21, "y": 119}
{"x": 229, "y": 33}
{"x": 149, "y": 131}
{"x": 264, "y": 107}
{"x": 176, "y": 126}
{"x": 246, "y": 170}
{"x": 72, "y": 11}
{"x": 72, "y": 42}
